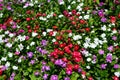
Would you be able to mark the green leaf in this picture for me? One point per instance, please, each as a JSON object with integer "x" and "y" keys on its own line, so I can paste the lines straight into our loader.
{"x": 74, "y": 76}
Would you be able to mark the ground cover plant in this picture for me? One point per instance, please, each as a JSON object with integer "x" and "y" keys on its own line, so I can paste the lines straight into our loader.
{"x": 59, "y": 39}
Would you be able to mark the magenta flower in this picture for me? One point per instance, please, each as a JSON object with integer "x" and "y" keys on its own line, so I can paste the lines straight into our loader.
{"x": 116, "y": 66}
{"x": 36, "y": 73}
{"x": 109, "y": 58}
{"x": 114, "y": 38}
{"x": 66, "y": 78}
{"x": 110, "y": 48}
{"x": 101, "y": 52}
{"x": 45, "y": 76}
{"x": 54, "y": 77}
{"x": 103, "y": 66}
{"x": 30, "y": 54}
{"x": 103, "y": 19}
{"x": 44, "y": 42}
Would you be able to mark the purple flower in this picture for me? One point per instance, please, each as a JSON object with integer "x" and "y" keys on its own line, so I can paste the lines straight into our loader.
{"x": 94, "y": 57}
{"x": 54, "y": 77}
{"x": 64, "y": 64}
{"x": 101, "y": 51}
{"x": 44, "y": 52}
{"x": 32, "y": 62}
{"x": 114, "y": 38}
{"x": 94, "y": 12}
{"x": 47, "y": 68}
{"x": 13, "y": 74}
{"x": 44, "y": 42}
{"x": 3, "y": 68}
{"x": 109, "y": 58}
{"x": 103, "y": 66}
{"x": 43, "y": 63}
{"x": 36, "y": 73}
{"x": 79, "y": 70}
{"x": 11, "y": 78}
{"x": 101, "y": 13}
{"x": 66, "y": 78}
{"x": 116, "y": 66}
{"x": 101, "y": 4}
{"x": 103, "y": 19}
{"x": 110, "y": 48}
{"x": 48, "y": 0}
{"x": 30, "y": 54}
{"x": 45, "y": 76}
{"x": 59, "y": 62}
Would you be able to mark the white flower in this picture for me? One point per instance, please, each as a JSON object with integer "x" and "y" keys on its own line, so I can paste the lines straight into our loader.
{"x": 6, "y": 32}
{"x": 19, "y": 60}
{"x": 92, "y": 45}
{"x": 117, "y": 74}
{"x": 53, "y": 40}
{"x": 81, "y": 4}
{"x": 73, "y": 2}
{"x": 1, "y": 15}
{"x": 28, "y": 47}
{"x": 10, "y": 54}
{"x": 92, "y": 26}
{"x": 87, "y": 39}
{"x": 4, "y": 59}
{"x": 11, "y": 35}
{"x": 103, "y": 35}
{"x": 93, "y": 62}
{"x": 21, "y": 47}
{"x": 48, "y": 30}
{"x": 93, "y": 31}
{"x": 61, "y": 2}
{"x": 86, "y": 17}
{"x": 44, "y": 33}
{"x": 7, "y": 64}
{"x": 89, "y": 59}
{"x": 60, "y": 16}
{"x": 54, "y": 33}
{"x": 78, "y": 0}
{"x": 21, "y": 38}
{"x": 86, "y": 45}
{"x": 78, "y": 42}
{"x": 69, "y": 7}
{"x": 103, "y": 28}
{"x": 34, "y": 34}
{"x": 88, "y": 67}
{"x": 109, "y": 29}
{"x": 31, "y": 4}
{"x": 9, "y": 45}
{"x": 114, "y": 31}
{"x": 70, "y": 34}
{"x": 80, "y": 17}
{"x": 32, "y": 43}
{"x": 15, "y": 68}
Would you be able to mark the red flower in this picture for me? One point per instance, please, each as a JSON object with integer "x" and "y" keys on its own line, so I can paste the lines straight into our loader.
{"x": 82, "y": 21}
{"x": 1, "y": 72}
{"x": 87, "y": 29}
{"x": 76, "y": 67}
{"x": 112, "y": 19}
{"x": 115, "y": 78}
{"x": 119, "y": 15}
{"x": 73, "y": 12}
{"x": 28, "y": 19}
{"x": 77, "y": 59}
{"x": 76, "y": 47}
{"x": 90, "y": 78}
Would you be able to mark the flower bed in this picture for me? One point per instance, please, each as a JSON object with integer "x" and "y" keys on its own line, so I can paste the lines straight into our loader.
{"x": 59, "y": 40}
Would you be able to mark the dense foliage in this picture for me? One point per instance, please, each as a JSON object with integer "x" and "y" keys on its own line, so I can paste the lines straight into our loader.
{"x": 59, "y": 40}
